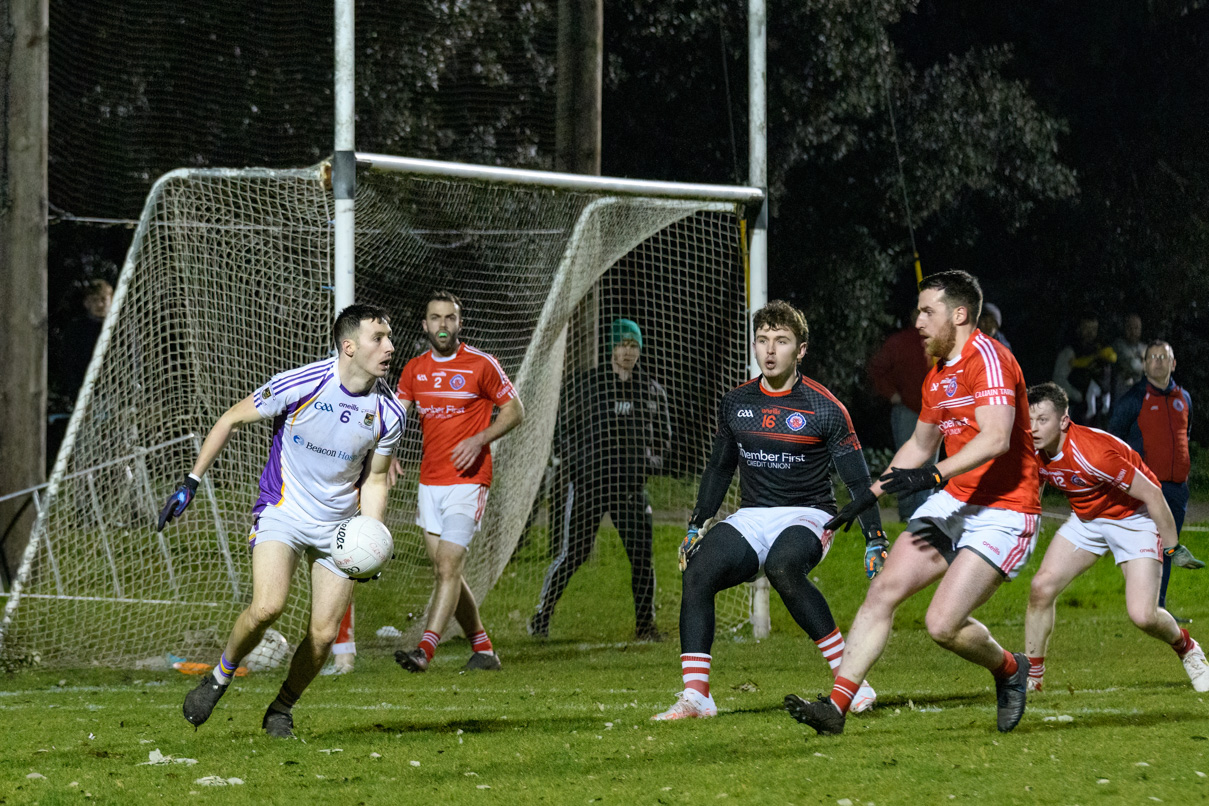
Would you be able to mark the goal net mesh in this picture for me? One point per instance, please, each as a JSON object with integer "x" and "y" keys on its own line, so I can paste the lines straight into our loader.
{"x": 228, "y": 282}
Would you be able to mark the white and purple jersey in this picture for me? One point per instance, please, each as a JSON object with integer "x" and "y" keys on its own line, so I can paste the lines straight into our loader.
{"x": 323, "y": 440}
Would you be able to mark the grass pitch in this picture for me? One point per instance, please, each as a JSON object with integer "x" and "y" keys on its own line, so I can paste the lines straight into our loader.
{"x": 567, "y": 720}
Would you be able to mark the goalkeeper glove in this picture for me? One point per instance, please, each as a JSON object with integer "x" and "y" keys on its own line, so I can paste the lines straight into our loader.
{"x": 875, "y": 552}
{"x": 692, "y": 541}
{"x": 178, "y": 502}
{"x": 903, "y": 481}
{"x": 689, "y": 546}
{"x": 848, "y": 515}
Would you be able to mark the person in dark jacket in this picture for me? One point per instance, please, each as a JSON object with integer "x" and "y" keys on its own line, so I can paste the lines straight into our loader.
{"x": 1155, "y": 418}
{"x": 613, "y": 431}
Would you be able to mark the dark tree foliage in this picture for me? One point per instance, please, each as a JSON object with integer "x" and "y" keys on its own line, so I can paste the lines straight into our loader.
{"x": 971, "y": 136}
{"x": 1129, "y": 81}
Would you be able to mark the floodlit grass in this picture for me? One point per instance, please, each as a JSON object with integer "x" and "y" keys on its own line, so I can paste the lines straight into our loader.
{"x": 567, "y": 722}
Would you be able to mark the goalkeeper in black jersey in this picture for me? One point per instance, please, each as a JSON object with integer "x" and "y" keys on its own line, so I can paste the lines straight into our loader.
{"x": 613, "y": 432}
{"x": 783, "y": 431}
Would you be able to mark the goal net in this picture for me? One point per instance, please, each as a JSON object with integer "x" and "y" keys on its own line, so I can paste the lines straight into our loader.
{"x": 228, "y": 281}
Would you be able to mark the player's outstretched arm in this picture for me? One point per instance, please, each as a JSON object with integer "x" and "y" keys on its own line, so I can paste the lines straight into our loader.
{"x": 375, "y": 488}
{"x": 239, "y": 415}
{"x": 467, "y": 451}
{"x": 1151, "y": 495}
{"x": 715, "y": 481}
{"x": 854, "y": 472}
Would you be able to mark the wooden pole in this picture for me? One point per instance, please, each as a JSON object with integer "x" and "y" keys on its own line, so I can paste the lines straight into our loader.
{"x": 23, "y": 58}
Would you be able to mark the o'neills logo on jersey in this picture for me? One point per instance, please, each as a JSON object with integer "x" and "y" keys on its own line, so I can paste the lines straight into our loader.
{"x": 795, "y": 421}
{"x": 950, "y": 386}
{"x": 457, "y": 382}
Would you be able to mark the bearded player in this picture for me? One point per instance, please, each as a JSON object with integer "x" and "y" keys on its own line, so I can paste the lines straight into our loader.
{"x": 1116, "y": 505}
{"x": 971, "y": 536}
{"x": 335, "y": 425}
{"x": 454, "y": 388}
{"x": 784, "y": 432}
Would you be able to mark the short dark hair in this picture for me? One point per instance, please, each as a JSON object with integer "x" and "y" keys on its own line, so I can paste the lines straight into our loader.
{"x": 97, "y": 287}
{"x": 960, "y": 290}
{"x": 348, "y": 321}
{"x": 780, "y": 314}
{"x": 1052, "y": 392}
{"x": 441, "y": 295}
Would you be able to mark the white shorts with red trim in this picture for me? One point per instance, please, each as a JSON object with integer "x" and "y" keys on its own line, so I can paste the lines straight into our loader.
{"x": 1132, "y": 538}
{"x": 761, "y": 526}
{"x": 444, "y": 511}
{"x": 1003, "y": 537}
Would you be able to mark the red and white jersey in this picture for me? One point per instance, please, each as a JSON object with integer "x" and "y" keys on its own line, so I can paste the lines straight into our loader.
{"x": 454, "y": 397}
{"x": 985, "y": 374}
{"x": 1093, "y": 470}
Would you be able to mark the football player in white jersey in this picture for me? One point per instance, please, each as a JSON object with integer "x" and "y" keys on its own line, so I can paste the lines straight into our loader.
{"x": 335, "y": 424}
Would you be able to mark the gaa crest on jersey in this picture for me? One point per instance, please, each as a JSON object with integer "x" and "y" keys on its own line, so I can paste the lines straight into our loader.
{"x": 368, "y": 422}
{"x": 1078, "y": 481}
{"x": 457, "y": 382}
{"x": 1177, "y": 404}
{"x": 796, "y": 421}
{"x": 950, "y": 386}
{"x": 266, "y": 393}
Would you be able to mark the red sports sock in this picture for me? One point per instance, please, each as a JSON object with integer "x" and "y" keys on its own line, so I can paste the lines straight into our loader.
{"x": 832, "y": 647}
{"x": 479, "y": 642}
{"x": 429, "y": 643}
{"x": 843, "y": 692}
{"x": 694, "y": 666}
{"x": 1183, "y": 645}
{"x": 1036, "y": 667}
{"x": 1007, "y": 668}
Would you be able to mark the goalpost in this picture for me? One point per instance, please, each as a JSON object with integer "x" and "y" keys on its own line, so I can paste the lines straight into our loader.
{"x": 229, "y": 280}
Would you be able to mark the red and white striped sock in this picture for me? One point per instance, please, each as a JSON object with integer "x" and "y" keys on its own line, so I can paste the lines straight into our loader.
{"x": 1183, "y": 646}
{"x": 1036, "y": 667}
{"x": 479, "y": 642}
{"x": 842, "y": 693}
{"x": 429, "y": 643}
{"x": 832, "y": 647}
{"x": 694, "y": 667}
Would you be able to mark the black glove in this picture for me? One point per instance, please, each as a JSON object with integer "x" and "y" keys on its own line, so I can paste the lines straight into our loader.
{"x": 178, "y": 502}
{"x": 902, "y": 481}
{"x": 875, "y": 552}
{"x": 848, "y": 515}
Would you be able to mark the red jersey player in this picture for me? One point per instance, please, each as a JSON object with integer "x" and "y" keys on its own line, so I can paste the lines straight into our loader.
{"x": 454, "y": 388}
{"x": 971, "y": 536}
{"x": 1118, "y": 506}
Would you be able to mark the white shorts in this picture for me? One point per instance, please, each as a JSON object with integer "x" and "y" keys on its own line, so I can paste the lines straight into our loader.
{"x": 313, "y": 539}
{"x": 438, "y": 504}
{"x": 1131, "y": 538}
{"x": 761, "y": 526}
{"x": 1003, "y": 537}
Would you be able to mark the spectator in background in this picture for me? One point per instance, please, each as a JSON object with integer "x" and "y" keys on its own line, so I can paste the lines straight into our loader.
{"x": 897, "y": 370}
{"x": 78, "y": 337}
{"x": 1084, "y": 371}
{"x": 70, "y": 353}
{"x": 1131, "y": 357}
{"x": 1155, "y": 418}
{"x": 990, "y": 323}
